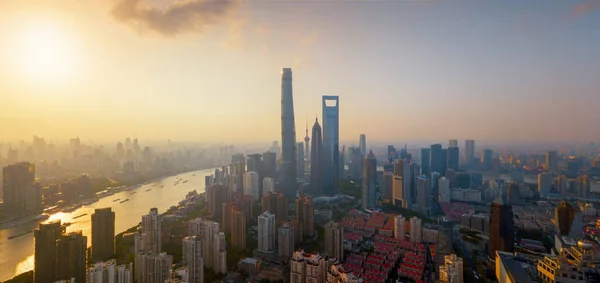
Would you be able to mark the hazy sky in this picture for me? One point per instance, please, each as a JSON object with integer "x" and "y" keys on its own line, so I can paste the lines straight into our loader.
{"x": 197, "y": 70}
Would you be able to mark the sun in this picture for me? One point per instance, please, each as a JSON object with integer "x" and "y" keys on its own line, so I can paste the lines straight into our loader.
{"x": 47, "y": 53}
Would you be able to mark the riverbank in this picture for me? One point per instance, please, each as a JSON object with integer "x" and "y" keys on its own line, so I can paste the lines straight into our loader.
{"x": 17, "y": 253}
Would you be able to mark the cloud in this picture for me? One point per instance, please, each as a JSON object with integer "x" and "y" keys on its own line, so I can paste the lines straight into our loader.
{"x": 235, "y": 35}
{"x": 179, "y": 17}
{"x": 585, "y": 7}
{"x": 310, "y": 39}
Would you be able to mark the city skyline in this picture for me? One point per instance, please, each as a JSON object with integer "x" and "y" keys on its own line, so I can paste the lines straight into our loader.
{"x": 166, "y": 77}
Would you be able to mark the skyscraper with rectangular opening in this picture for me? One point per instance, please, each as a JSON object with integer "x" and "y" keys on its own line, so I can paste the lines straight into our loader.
{"x": 331, "y": 144}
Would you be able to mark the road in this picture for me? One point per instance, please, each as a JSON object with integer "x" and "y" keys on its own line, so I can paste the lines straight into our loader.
{"x": 466, "y": 255}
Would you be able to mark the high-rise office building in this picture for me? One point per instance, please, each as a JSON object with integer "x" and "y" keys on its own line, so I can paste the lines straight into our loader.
{"x": 331, "y": 144}
{"x": 436, "y": 158}
{"x": 238, "y": 228}
{"x": 425, "y": 160}
{"x": 513, "y": 193}
{"x": 399, "y": 227}
{"x": 44, "y": 269}
{"x": 192, "y": 258}
{"x": 444, "y": 162}
{"x": 300, "y": 160}
{"x": 369, "y": 178}
{"x": 402, "y": 171}
{"x": 423, "y": 194}
{"x": 334, "y": 240}
{"x": 103, "y": 234}
{"x": 71, "y": 256}
{"x": 362, "y": 145}
{"x": 305, "y": 215}
{"x": 251, "y": 184}
{"x": 151, "y": 224}
{"x": 285, "y": 240}
{"x": 254, "y": 162}
{"x": 452, "y": 143}
{"x": 469, "y": 152}
{"x": 215, "y": 196}
{"x": 415, "y": 229}
{"x": 487, "y": 160}
{"x": 443, "y": 189}
{"x": 387, "y": 186}
{"x": 266, "y": 232}
{"x": 545, "y": 181}
{"x": 502, "y": 230}
{"x": 552, "y": 161}
{"x": 288, "y": 136}
{"x": 269, "y": 164}
{"x": 453, "y": 158}
{"x": 316, "y": 159}
{"x": 20, "y": 193}
{"x": 151, "y": 267}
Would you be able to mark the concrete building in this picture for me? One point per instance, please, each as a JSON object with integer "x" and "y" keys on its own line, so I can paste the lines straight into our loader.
{"x": 220, "y": 253}
{"x": 469, "y": 152}
{"x": 369, "y": 169}
{"x": 451, "y": 271}
{"x": 44, "y": 269}
{"x": 552, "y": 162}
{"x": 426, "y": 161}
{"x": 387, "y": 186}
{"x": 19, "y": 192}
{"x": 545, "y": 181}
{"x": 300, "y": 161}
{"x": 288, "y": 179}
{"x": 196, "y": 227}
{"x": 151, "y": 267}
{"x": 210, "y": 244}
{"x": 305, "y": 215}
{"x": 502, "y": 229}
{"x": 362, "y": 145}
{"x": 192, "y": 258}
{"x": 238, "y": 228}
{"x": 334, "y": 241}
{"x": 415, "y": 229}
{"x": 399, "y": 227}
{"x": 71, "y": 256}
{"x": 444, "y": 193}
{"x": 250, "y": 265}
{"x": 308, "y": 268}
{"x": 512, "y": 269}
{"x": 151, "y": 230}
{"x": 103, "y": 234}
{"x": 575, "y": 264}
{"x": 251, "y": 185}
{"x": 285, "y": 240}
{"x": 568, "y": 220}
{"x": 266, "y": 232}
{"x": 109, "y": 272}
{"x": 402, "y": 183}
{"x": 453, "y": 158}
{"x": 316, "y": 159}
{"x": 436, "y": 159}
{"x": 423, "y": 195}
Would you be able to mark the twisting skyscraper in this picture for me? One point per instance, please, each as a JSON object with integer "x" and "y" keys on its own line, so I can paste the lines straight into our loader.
{"x": 331, "y": 144}
{"x": 316, "y": 159}
{"x": 288, "y": 136}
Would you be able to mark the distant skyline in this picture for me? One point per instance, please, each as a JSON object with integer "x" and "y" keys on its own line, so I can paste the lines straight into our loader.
{"x": 210, "y": 71}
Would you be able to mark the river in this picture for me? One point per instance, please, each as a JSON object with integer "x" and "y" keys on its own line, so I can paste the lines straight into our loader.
{"x": 16, "y": 255}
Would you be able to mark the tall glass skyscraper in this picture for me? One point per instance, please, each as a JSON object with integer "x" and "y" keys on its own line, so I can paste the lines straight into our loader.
{"x": 288, "y": 136}
{"x": 331, "y": 144}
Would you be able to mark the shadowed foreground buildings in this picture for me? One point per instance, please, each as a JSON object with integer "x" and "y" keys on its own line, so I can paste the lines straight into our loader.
{"x": 45, "y": 251}
{"x": 20, "y": 193}
{"x": 103, "y": 234}
{"x": 305, "y": 216}
{"x": 334, "y": 241}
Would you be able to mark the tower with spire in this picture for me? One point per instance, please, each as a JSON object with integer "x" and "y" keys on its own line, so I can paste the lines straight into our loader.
{"x": 306, "y": 148}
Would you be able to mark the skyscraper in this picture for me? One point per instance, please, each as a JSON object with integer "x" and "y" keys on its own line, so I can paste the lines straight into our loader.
{"x": 425, "y": 161}
{"x": 266, "y": 232}
{"x": 45, "y": 251}
{"x": 288, "y": 136}
{"x": 423, "y": 194}
{"x": 453, "y": 158}
{"x": 387, "y": 186}
{"x": 502, "y": 230}
{"x": 368, "y": 178}
{"x": 238, "y": 228}
{"x": 71, "y": 256}
{"x": 334, "y": 240}
{"x": 402, "y": 172}
{"x": 269, "y": 164}
{"x": 487, "y": 161}
{"x": 192, "y": 258}
{"x": 399, "y": 227}
{"x": 251, "y": 184}
{"x": 444, "y": 162}
{"x": 469, "y": 152}
{"x": 362, "y": 144}
{"x": 331, "y": 144}
{"x": 552, "y": 161}
{"x": 568, "y": 220}
{"x": 306, "y": 150}
{"x": 151, "y": 231}
{"x": 415, "y": 229}
{"x": 103, "y": 234}
{"x": 545, "y": 181}
{"x": 316, "y": 159}
{"x": 436, "y": 158}
{"x": 452, "y": 143}
{"x": 20, "y": 193}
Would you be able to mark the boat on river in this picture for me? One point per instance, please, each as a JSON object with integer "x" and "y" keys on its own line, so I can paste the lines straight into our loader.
{"x": 124, "y": 201}
{"x": 19, "y": 235}
{"x": 81, "y": 215}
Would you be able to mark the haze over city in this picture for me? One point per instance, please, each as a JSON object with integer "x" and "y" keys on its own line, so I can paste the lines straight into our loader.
{"x": 404, "y": 70}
